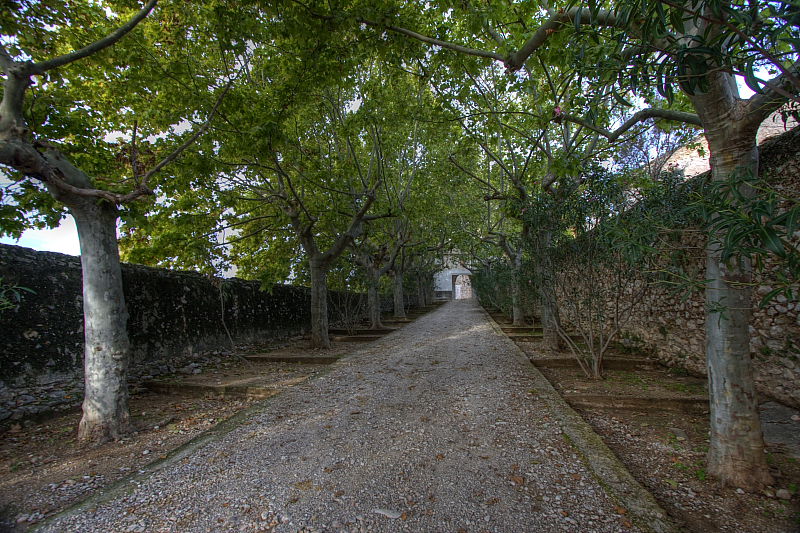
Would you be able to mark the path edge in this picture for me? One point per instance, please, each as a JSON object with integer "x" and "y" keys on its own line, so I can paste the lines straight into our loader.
{"x": 127, "y": 484}
{"x": 609, "y": 471}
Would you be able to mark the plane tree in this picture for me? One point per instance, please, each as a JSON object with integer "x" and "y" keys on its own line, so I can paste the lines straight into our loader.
{"x": 697, "y": 49}
{"x": 527, "y": 155}
{"x": 95, "y": 108}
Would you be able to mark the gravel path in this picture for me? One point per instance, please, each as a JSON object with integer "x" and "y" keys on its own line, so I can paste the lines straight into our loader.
{"x": 436, "y": 427}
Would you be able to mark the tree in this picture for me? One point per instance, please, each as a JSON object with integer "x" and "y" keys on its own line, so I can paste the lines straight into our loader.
{"x": 324, "y": 181}
{"x": 53, "y": 94}
{"x": 601, "y": 263}
{"x": 697, "y": 47}
{"x": 377, "y": 261}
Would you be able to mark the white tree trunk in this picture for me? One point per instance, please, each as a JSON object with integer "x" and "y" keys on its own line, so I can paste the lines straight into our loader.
{"x": 736, "y": 451}
{"x": 107, "y": 349}
{"x": 319, "y": 307}
{"x": 399, "y": 295}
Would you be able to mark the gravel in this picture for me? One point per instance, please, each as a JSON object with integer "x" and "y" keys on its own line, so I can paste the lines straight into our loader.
{"x": 436, "y": 427}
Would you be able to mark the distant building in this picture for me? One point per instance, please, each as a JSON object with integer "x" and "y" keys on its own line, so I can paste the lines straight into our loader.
{"x": 453, "y": 282}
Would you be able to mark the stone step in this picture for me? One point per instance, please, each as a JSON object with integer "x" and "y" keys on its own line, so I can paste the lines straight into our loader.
{"x": 355, "y": 338}
{"x": 695, "y": 405}
{"x": 360, "y": 331}
{"x": 521, "y": 329}
{"x": 526, "y": 337}
{"x": 615, "y": 363}
{"x": 289, "y": 358}
{"x": 253, "y": 387}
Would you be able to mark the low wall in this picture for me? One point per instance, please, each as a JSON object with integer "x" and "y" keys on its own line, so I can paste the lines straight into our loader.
{"x": 176, "y": 318}
{"x": 671, "y": 325}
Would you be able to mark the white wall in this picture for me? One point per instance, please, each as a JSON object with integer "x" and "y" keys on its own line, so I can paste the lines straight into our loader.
{"x": 444, "y": 278}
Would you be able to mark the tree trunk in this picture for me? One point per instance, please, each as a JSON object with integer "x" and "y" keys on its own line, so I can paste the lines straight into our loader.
{"x": 421, "y": 297}
{"x": 399, "y": 296}
{"x": 736, "y": 452}
{"x": 517, "y": 314}
{"x": 107, "y": 349}
{"x": 319, "y": 306}
{"x": 551, "y": 320}
{"x": 373, "y": 301}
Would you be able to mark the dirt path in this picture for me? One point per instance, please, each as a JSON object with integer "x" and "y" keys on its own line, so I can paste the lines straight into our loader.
{"x": 436, "y": 427}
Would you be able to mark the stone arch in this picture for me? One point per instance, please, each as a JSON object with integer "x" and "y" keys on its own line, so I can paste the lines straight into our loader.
{"x": 462, "y": 286}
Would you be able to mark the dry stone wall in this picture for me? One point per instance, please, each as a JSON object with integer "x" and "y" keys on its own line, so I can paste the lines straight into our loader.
{"x": 672, "y": 325}
{"x": 177, "y": 319}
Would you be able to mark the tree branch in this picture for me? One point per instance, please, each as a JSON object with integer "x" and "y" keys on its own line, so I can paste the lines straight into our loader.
{"x": 557, "y": 22}
{"x": 502, "y": 243}
{"x": 60, "y": 61}
{"x": 639, "y": 116}
{"x": 352, "y": 231}
{"x": 188, "y": 142}
{"x": 430, "y": 40}
{"x": 5, "y": 59}
{"x": 472, "y": 175}
{"x": 776, "y": 93}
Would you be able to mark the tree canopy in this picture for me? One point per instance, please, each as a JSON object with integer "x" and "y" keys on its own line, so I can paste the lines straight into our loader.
{"x": 342, "y": 142}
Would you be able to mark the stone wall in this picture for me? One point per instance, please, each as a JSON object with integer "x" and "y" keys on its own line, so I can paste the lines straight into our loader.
{"x": 176, "y": 319}
{"x": 672, "y": 326}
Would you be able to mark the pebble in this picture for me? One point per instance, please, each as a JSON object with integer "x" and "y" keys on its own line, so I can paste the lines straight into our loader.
{"x": 783, "y": 494}
{"x": 453, "y": 368}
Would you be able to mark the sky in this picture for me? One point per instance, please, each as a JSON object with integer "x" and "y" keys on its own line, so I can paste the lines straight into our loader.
{"x": 63, "y": 239}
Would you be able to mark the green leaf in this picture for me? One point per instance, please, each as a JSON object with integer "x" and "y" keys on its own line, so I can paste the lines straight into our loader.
{"x": 750, "y": 78}
{"x": 771, "y": 241}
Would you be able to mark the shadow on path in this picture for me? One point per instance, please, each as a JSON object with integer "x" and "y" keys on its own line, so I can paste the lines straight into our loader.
{"x": 440, "y": 426}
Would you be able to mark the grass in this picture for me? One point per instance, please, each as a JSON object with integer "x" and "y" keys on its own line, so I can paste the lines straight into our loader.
{"x": 686, "y": 388}
{"x": 678, "y": 371}
{"x": 697, "y": 469}
{"x": 629, "y": 378}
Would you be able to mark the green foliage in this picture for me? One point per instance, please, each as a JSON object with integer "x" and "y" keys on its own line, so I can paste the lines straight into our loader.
{"x": 751, "y": 219}
{"x": 116, "y": 113}
{"x": 741, "y": 37}
{"x": 11, "y": 296}
{"x": 492, "y": 284}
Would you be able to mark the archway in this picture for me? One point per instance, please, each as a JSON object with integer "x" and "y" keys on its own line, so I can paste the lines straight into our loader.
{"x": 462, "y": 287}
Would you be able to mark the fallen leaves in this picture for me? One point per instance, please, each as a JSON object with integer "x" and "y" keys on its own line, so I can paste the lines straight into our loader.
{"x": 304, "y": 485}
